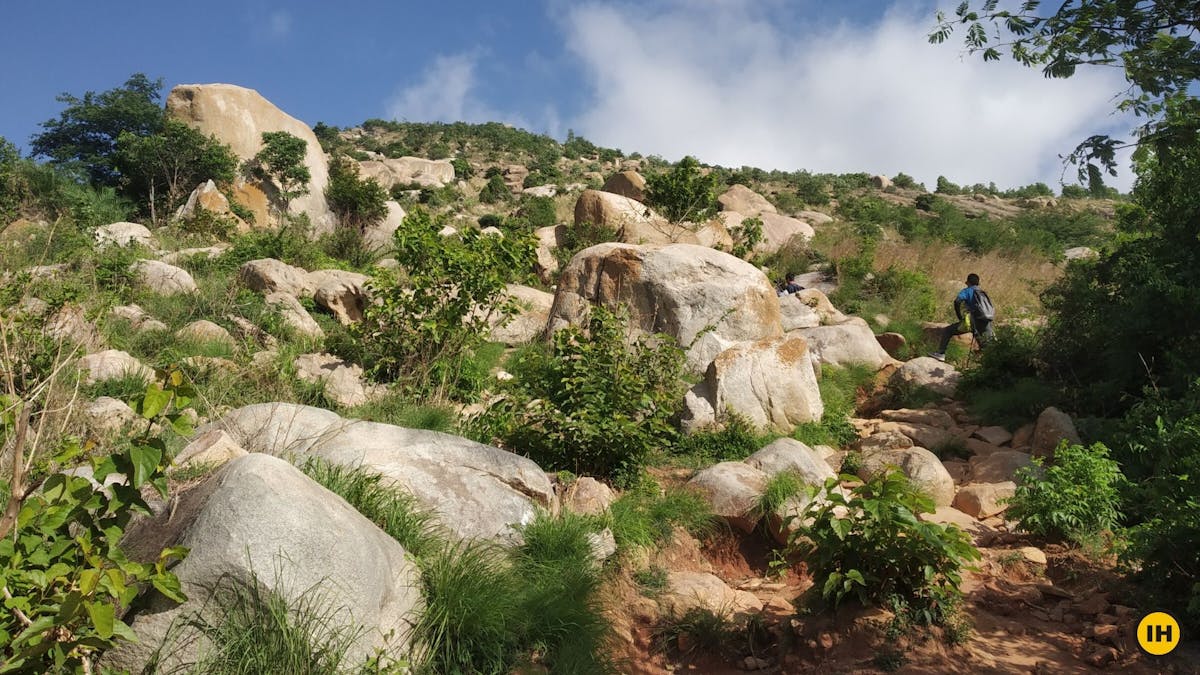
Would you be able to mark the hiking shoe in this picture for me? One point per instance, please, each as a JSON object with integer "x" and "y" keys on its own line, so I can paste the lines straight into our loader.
{"x": 940, "y": 356}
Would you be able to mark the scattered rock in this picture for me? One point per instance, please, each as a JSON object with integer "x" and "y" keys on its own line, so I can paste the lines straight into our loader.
{"x": 629, "y": 184}
{"x": 138, "y": 319}
{"x": 883, "y": 440}
{"x": 844, "y": 344}
{"x": 261, "y": 517}
{"x": 603, "y": 544}
{"x": 70, "y": 323}
{"x": 206, "y": 197}
{"x": 945, "y": 515}
{"x": 1080, "y": 252}
{"x": 164, "y": 279}
{"x": 993, "y": 435}
{"x": 206, "y": 331}
{"x": 894, "y": 344}
{"x": 294, "y": 315}
{"x": 998, "y": 467}
{"x": 983, "y": 500}
{"x": 1053, "y": 426}
{"x": 928, "y": 373}
{"x": 741, "y": 199}
{"x": 108, "y": 415}
{"x": 211, "y": 448}
{"x": 795, "y": 315}
{"x": 778, "y": 230}
{"x": 529, "y": 322}
{"x": 474, "y": 491}
{"x": 788, "y": 454}
{"x": 733, "y": 489}
{"x": 770, "y": 382}
{"x": 881, "y": 182}
{"x": 680, "y": 289}
{"x": 921, "y": 466}
{"x": 342, "y": 293}
{"x": 267, "y": 275}
{"x": 343, "y": 381}
{"x": 123, "y": 234}
{"x": 112, "y": 364}
{"x": 687, "y": 591}
{"x": 1033, "y": 555}
{"x": 930, "y": 417}
{"x": 588, "y": 496}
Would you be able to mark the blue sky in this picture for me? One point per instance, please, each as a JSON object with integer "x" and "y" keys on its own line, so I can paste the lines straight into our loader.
{"x": 800, "y": 84}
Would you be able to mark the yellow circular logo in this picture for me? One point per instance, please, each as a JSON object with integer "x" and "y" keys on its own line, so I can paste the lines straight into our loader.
{"x": 1158, "y": 633}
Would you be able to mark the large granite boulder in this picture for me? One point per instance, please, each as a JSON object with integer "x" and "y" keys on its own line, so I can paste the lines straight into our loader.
{"x": 925, "y": 372}
{"x": 921, "y": 466}
{"x": 123, "y": 234}
{"x": 261, "y": 518}
{"x": 733, "y": 489}
{"x": 629, "y": 184}
{"x": 769, "y": 382}
{"x": 474, "y": 490}
{"x": 238, "y": 116}
{"x": 112, "y": 364}
{"x": 530, "y": 320}
{"x": 679, "y": 289}
{"x": 268, "y": 275}
{"x": 844, "y": 344}
{"x": 162, "y": 278}
{"x": 1053, "y": 427}
{"x": 741, "y": 199}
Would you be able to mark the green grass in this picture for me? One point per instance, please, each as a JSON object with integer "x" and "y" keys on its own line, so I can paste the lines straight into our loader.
{"x": 394, "y": 511}
{"x": 259, "y": 631}
{"x": 126, "y": 388}
{"x": 735, "y": 441}
{"x": 651, "y": 581}
{"x": 839, "y": 389}
{"x": 400, "y": 410}
{"x": 645, "y": 516}
{"x": 487, "y": 608}
{"x": 780, "y": 488}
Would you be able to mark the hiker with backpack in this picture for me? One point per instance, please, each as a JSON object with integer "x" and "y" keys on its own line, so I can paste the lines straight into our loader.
{"x": 975, "y": 314}
{"x": 788, "y": 286}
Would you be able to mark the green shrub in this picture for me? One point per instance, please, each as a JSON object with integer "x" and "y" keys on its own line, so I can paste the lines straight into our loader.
{"x": 596, "y": 405}
{"x": 839, "y": 391}
{"x": 538, "y": 212}
{"x": 66, "y": 578}
{"x": 905, "y": 181}
{"x": 813, "y": 190}
{"x": 161, "y": 169}
{"x": 868, "y": 543}
{"x": 735, "y": 440}
{"x": 423, "y": 331}
{"x": 357, "y": 202}
{"x": 684, "y": 193}
{"x": 1075, "y": 497}
{"x": 780, "y": 488}
{"x": 281, "y": 160}
{"x": 746, "y": 237}
{"x": 495, "y": 192}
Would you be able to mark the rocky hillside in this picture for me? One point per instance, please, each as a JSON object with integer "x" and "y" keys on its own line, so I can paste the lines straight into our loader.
{"x": 539, "y": 408}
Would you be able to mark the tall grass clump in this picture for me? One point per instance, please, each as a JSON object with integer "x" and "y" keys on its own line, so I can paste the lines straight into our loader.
{"x": 255, "y": 630}
{"x": 394, "y": 511}
{"x": 646, "y": 515}
{"x": 839, "y": 391}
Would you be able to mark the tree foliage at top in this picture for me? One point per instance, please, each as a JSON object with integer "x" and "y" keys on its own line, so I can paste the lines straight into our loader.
{"x": 684, "y": 193}
{"x": 162, "y": 168}
{"x": 282, "y": 161}
{"x": 85, "y": 134}
{"x": 1153, "y": 41}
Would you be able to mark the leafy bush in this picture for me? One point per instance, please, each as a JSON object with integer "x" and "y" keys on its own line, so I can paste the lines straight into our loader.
{"x": 596, "y": 405}
{"x": 813, "y": 190}
{"x": 684, "y": 193}
{"x": 903, "y": 180}
{"x": 282, "y": 160}
{"x": 62, "y": 563}
{"x": 746, "y": 237}
{"x": 869, "y": 544}
{"x": 538, "y": 212}
{"x": 496, "y": 191}
{"x": 357, "y": 202}
{"x": 1075, "y": 497}
{"x": 422, "y": 331}
{"x": 161, "y": 169}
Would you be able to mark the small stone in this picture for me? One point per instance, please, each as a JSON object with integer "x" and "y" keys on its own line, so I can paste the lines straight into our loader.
{"x": 1092, "y": 605}
{"x": 1033, "y": 554}
{"x": 1102, "y": 656}
{"x": 755, "y": 663}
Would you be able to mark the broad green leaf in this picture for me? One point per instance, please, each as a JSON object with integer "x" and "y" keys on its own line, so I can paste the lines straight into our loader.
{"x": 102, "y": 616}
{"x": 145, "y": 461}
{"x": 154, "y": 401}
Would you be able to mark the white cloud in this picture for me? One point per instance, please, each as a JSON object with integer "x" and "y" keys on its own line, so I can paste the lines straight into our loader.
{"x": 279, "y": 24}
{"x": 445, "y": 93}
{"x": 840, "y": 99}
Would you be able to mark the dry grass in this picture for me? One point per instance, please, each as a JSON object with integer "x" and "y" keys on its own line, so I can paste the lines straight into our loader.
{"x": 1012, "y": 282}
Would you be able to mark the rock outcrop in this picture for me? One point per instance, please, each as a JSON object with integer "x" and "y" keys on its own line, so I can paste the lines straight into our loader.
{"x": 679, "y": 289}
{"x": 238, "y": 116}
{"x": 261, "y": 518}
{"x": 474, "y": 490}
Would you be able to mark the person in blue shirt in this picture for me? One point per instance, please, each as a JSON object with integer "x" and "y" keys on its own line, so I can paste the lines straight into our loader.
{"x": 969, "y": 319}
{"x": 789, "y": 286}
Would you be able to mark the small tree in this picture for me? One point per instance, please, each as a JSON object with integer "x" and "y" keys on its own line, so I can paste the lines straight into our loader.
{"x": 495, "y": 191}
{"x": 281, "y": 160}
{"x": 420, "y": 331}
{"x": 162, "y": 168}
{"x": 358, "y": 203}
{"x": 684, "y": 193}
